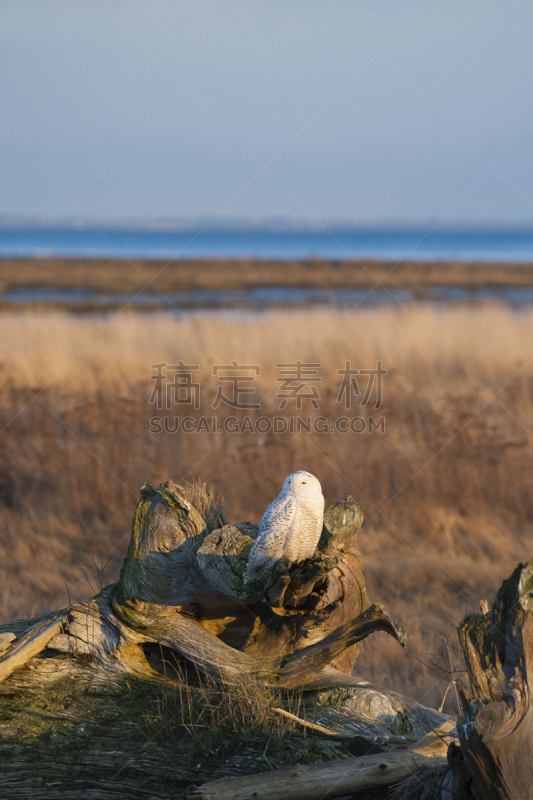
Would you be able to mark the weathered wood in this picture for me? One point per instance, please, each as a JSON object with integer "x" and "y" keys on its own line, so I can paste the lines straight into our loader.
{"x": 457, "y": 781}
{"x": 330, "y": 779}
{"x": 220, "y": 661}
{"x": 206, "y": 617}
{"x": 357, "y": 702}
{"x": 181, "y": 601}
{"x": 177, "y": 561}
{"x": 29, "y": 645}
{"x": 496, "y": 724}
{"x": 342, "y": 522}
{"x": 181, "y": 587}
{"x": 164, "y": 535}
{"x": 371, "y": 728}
{"x": 6, "y": 639}
{"x": 437, "y": 741}
{"x": 80, "y": 754}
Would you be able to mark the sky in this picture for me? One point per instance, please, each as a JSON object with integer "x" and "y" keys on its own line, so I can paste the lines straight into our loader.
{"x": 350, "y": 111}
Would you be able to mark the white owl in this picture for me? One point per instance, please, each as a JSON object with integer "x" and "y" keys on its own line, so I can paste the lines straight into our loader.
{"x": 290, "y": 528}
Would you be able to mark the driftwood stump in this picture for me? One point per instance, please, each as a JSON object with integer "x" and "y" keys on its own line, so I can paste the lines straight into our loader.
{"x": 180, "y": 601}
{"x": 495, "y": 760}
{"x": 182, "y": 582}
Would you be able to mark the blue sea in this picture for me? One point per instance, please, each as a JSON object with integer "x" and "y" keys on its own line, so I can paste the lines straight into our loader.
{"x": 387, "y": 243}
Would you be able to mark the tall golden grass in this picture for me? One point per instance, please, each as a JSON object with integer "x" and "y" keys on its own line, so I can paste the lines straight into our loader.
{"x": 446, "y": 490}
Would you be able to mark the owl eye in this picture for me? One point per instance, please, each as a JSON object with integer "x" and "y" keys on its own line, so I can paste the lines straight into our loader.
{"x": 304, "y": 481}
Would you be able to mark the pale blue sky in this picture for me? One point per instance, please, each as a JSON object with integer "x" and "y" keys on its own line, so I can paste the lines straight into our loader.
{"x": 370, "y": 111}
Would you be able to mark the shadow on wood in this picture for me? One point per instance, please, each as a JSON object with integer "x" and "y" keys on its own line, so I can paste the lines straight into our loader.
{"x": 495, "y": 761}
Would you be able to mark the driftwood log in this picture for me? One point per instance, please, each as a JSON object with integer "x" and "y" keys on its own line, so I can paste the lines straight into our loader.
{"x": 346, "y": 777}
{"x": 495, "y": 757}
{"x": 180, "y": 600}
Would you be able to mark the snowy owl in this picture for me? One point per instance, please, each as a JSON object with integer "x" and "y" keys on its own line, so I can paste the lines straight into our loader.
{"x": 290, "y": 528}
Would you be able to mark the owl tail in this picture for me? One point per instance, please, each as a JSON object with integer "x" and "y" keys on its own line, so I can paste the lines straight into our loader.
{"x": 257, "y": 571}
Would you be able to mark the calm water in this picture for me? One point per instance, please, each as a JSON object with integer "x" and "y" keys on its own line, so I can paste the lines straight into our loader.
{"x": 259, "y": 299}
{"x": 384, "y": 243}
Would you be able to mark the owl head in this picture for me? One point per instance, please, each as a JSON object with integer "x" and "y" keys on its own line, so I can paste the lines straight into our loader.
{"x": 301, "y": 483}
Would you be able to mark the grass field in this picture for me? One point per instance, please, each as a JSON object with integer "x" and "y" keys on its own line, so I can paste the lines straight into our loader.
{"x": 446, "y": 489}
{"x": 125, "y": 276}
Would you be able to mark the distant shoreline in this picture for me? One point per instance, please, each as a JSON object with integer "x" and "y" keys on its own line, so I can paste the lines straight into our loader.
{"x": 104, "y": 284}
{"x": 204, "y": 241}
{"x": 129, "y": 275}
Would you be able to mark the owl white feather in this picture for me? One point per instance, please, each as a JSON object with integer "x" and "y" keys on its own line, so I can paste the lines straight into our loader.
{"x": 290, "y": 527}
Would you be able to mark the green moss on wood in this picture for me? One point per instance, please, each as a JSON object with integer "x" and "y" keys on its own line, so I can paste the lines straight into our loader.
{"x": 154, "y": 735}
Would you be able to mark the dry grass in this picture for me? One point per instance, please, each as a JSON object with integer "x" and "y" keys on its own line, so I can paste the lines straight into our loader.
{"x": 220, "y": 731}
{"x": 125, "y": 275}
{"x": 446, "y": 490}
{"x": 202, "y": 497}
{"x": 136, "y": 724}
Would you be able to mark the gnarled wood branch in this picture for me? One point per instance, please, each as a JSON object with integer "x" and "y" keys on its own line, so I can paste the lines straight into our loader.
{"x": 33, "y": 642}
{"x": 496, "y": 725}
